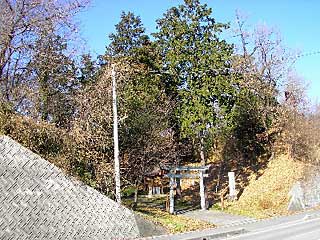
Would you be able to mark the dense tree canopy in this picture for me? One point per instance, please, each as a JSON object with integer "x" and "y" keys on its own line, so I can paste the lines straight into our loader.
{"x": 198, "y": 66}
{"x": 129, "y": 36}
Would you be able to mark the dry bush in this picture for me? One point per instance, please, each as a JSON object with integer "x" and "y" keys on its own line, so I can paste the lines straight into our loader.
{"x": 56, "y": 145}
{"x": 92, "y": 133}
{"x": 296, "y": 125}
{"x": 42, "y": 138}
{"x": 5, "y": 113}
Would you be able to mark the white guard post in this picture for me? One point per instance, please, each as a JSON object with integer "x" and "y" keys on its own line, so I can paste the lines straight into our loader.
{"x": 232, "y": 186}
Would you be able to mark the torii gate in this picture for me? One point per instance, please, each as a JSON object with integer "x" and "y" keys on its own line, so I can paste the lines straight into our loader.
{"x": 201, "y": 175}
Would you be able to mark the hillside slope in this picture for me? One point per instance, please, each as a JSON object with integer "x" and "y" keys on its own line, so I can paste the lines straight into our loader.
{"x": 267, "y": 195}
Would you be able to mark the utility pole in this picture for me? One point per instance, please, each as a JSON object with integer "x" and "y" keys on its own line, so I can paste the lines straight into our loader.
{"x": 116, "y": 137}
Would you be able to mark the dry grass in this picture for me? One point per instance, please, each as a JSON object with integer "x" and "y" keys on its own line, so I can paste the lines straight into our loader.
{"x": 153, "y": 210}
{"x": 173, "y": 223}
{"x": 267, "y": 196}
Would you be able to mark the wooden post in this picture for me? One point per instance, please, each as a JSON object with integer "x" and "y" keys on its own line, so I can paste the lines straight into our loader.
{"x": 202, "y": 192}
{"x": 222, "y": 201}
{"x": 172, "y": 185}
{"x": 115, "y": 137}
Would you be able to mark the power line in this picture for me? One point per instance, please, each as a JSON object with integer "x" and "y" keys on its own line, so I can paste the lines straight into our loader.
{"x": 308, "y": 54}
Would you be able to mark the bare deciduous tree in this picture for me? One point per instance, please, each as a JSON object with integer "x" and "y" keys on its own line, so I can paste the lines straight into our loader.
{"x": 145, "y": 138}
{"x": 23, "y": 23}
{"x": 263, "y": 62}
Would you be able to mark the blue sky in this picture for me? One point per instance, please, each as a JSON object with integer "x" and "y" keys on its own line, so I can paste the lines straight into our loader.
{"x": 297, "y": 20}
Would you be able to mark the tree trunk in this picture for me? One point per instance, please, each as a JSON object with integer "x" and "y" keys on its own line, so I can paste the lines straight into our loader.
{"x": 202, "y": 157}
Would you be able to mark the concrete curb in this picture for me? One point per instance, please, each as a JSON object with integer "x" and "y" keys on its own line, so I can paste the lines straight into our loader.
{"x": 229, "y": 233}
{"x": 223, "y": 234}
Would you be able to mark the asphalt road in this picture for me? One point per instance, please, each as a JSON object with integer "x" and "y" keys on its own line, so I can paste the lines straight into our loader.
{"x": 302, "y": 226}
{"x": 308, "y": 229}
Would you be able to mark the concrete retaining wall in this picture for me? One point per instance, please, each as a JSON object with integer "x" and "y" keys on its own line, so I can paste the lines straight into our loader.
{"x": 38, "y": 201}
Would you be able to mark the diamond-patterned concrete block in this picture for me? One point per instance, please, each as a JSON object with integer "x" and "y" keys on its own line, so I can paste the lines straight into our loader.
{"x": 37, "y": 201}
